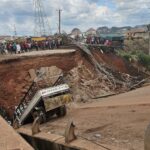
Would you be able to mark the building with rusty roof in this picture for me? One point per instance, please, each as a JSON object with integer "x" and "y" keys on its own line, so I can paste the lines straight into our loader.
{"x": 137, "y": 34}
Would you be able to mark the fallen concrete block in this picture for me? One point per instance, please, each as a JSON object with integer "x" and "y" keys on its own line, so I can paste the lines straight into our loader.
{"x": 32, "y": 74}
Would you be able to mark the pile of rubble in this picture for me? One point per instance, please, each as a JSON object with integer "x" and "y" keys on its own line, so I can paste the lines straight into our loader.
{"x": 46, "y": 76}
{"x": 85, "y": 83}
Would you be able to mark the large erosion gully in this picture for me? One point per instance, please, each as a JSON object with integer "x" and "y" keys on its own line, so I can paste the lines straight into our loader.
{"x": 45, "y": 141}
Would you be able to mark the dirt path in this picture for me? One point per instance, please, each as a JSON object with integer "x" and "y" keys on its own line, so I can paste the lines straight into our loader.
{"x": 119, "y": 121}
{"x": 135, "y": 97}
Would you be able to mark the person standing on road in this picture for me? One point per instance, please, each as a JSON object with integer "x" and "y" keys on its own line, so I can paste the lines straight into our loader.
{"x": 36, "y": 46}
{"x": 1, "y": 50}
{"x": 14, "y": 47}
{"x": 5, "y": 48}
{"x": 18, "y": 48}
{"x": 49, "y": 44}
{"x": 29, "y": 46}
{"x": 9, "y": 47}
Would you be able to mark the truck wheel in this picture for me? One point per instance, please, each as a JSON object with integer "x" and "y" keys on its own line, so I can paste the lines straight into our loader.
{"x": 61, "y": 111}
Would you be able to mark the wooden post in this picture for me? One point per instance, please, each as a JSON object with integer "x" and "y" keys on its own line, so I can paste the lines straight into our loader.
{"x": 149, "y": 42}
{"x": 148, "y": 27}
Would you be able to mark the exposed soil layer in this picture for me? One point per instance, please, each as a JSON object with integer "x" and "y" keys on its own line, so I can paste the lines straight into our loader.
{"x": 14, "y": 75}
{"x": 15, "y": 79}
{"x": 115, "y": 62}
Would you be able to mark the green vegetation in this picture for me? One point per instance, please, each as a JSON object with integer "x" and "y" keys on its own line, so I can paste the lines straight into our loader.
{"x": 144, "y": 60}
{"x": 136, "y": 56}
{"x": 128, "y": 55}
{"x": 137, "y": 45}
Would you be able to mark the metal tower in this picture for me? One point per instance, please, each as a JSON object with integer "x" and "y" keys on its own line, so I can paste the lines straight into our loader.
{"x": 42, "y": 27}
{"x": 15, "y": 31}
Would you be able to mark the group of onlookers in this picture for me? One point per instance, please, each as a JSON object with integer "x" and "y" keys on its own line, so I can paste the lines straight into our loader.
{"x": 98, "y": 40}
{"x": 26, "y": 46}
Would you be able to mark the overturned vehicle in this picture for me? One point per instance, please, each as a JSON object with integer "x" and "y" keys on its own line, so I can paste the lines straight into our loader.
{"x": 43, "y": 103}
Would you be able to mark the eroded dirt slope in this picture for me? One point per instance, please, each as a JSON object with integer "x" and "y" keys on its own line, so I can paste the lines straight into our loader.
{"x": 115, "y": 62}
{"x": 15, "y": 79}
{"x": 79, "y": 73}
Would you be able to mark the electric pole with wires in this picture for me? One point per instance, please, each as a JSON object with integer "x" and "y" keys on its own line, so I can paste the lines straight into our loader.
{"x": 148, "y": 27}
{"x": 41, "y": 27}
{"x": 59, "y": 26}
{"x": 15, "y": 31}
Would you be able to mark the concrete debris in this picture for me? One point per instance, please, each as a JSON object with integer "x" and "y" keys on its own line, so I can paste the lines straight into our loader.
{"x": 70, "y": 132}
{"x": 32, "y": 74}
{"x": 51, "y": 74}
{"x": 35, "y": 126}
{"x": 98, "y": 135}
{"x": 88, "y": 85}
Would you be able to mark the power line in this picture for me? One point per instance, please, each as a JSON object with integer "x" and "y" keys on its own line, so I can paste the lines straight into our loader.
{"x": 41, "y": 23}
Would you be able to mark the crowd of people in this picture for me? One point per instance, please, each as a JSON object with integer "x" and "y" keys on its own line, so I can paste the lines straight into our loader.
{"x": 116, "y": 41}
{"x": 15, "y": 47}
{"x": 98, "y": 40}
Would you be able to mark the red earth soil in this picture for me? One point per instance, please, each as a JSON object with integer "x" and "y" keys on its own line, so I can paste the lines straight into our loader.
{"x": 14, "y": 74}
{"x": 115, "y": 62}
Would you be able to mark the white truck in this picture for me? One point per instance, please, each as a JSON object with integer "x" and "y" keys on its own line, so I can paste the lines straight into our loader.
{"x": 44, "y": 104}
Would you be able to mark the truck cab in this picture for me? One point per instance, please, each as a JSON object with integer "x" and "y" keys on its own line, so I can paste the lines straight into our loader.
{"x": 44, "y": 104}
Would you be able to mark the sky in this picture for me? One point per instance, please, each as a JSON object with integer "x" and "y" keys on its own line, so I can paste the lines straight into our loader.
{"x": 82, "y": 14}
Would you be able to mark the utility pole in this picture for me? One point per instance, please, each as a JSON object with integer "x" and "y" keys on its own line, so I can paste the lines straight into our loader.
{"x": 15, "y": 31}
{"x": 148, "y": 27}
{"x": 59, "y": 27}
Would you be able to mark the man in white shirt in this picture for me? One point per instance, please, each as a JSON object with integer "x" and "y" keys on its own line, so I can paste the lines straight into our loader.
{"x": 18, "y": 50}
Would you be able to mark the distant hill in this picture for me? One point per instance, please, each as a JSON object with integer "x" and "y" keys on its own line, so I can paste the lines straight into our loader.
{"x": 141, "y": 26}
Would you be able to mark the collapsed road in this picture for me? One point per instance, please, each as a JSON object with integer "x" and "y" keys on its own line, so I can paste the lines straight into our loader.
{"x": 88, "y": 78}
{"x": 79, "y": 73}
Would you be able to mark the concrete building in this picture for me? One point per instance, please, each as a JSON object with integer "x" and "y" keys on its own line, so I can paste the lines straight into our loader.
{"x": 76, "y": 33}
{"x": 137, "y": 33}
{"x": 91, "y": 32}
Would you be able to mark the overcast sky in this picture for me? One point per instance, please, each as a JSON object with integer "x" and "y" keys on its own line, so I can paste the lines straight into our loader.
{"x": 82, "y": 14}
